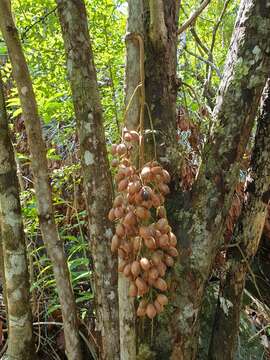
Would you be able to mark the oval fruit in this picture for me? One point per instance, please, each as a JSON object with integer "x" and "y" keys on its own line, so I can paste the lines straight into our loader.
{"x": 132, "y": 291}
{"x": 111, "y": 215}
{"x": 162, "y": 299}
{"x": 161, "y": 284}
{"x": 151, "y": 311}
{"x": 172, "y": 251}
{"x": 135, "y": 268}
{"x": 145, "y": 264}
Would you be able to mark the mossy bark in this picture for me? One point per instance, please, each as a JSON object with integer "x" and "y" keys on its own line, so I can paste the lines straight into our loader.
{"x": 96, "y": 172}
{"x": 203, "y": 213}
{"x": 15, "y": 277}
{"x": 39, "y": 168}
{"x": 245, "y": 241}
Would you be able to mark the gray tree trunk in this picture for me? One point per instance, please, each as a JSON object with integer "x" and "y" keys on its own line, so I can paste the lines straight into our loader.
{"x": 202, "y": 217}
{"x": 39, "y": 167}
{"x": 127, "y": 314}
{"x": 96, "y": 172}
{"x": 246, "y": 238}
{"x": 15, "y": 277}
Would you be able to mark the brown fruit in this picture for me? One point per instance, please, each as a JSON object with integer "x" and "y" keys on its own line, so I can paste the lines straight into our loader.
{"x": 153, "y": 273}
{"x": 164, "y": 240}
{"x": 161, "y": 284}
{"x": 169, "y": 260}
{"x": 151, "y": 311}
{"x": 141, "y": 311}
{"x": 137, "y": 243}
{"x": 156, "y": 170}
{"x": 115, "y": 243}
{"x": 121, "y": 149}
{"x": 157, "y": 257}
{"x": 155, "y": 200}
{"x": 158, "y": 306}
{"x": 164, "y": 188}
{"x": 127, "y": 247}
{"x": 145, "y": 264}
{"x": 118, "y": 201}
{"x": 122, "y": 254}
{"x": 150, "y": 243}
{"x": 141, "y": 284}
{"x": 127, "y": 137}
{"x": 142, "y": 292}
{"x": 134, "y": 187}
{"x": 119, "y": 176}
{"x": 161, "y": 212}
{"x": 145, "y": 275}
{"x": 143, "y": 303}
{"x": 173, "y": 240}
{"x": 127, "y": 270}
{"x": 120, "y": 230}
{"x": 111, "y": 215}
{"x": 130, "y": 230}
{"x": 123, "y": 185}
{"x": 135, "y": 268}
{"x": 119, "y": 212}
{"x": 162, "y": 268}
{"x": 135, "y": 135}
{"x": 131, "y": 199}
{"x": 146, "y": 173}
{"x": 142, "y": 213}
{"x": 130, "y": 219}
{"x": 166, "y": 176}
{"x": 161, "y": 224}
{"x": 114, "y": 149}
{"x": 145, "y": 231}
{"x": 133, "y": 291}
{"x": 172, "y": 251}
{"x": 114, "y": 162}
{"x": 125, "y": 162}
{"x": 162, "y": 299}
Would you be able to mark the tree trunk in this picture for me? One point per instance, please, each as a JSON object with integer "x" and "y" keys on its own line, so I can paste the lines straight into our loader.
{"x": 41, "y": 181}
{"x": 203, "y": 213}
{"x": 96, "y": 172}
{"x": 17, "y": 287}
{"x": 161, "y": 85}
{"x": 246, "y": 240}
{"x": 132, "y": 80}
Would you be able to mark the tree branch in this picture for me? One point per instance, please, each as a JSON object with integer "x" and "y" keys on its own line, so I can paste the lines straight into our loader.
{"x": 193, "y": 16}
{"x": 213, "y": 66}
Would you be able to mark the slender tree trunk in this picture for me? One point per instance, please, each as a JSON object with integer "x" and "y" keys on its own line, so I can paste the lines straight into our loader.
{"x": 246, "y": 238}
{"x": 202, "y": 217}
{"x": 41, "y": 181}
{"x": 20, "y": 335}
{"x": 96, "y": 172}
{"x": 132, "y": 102}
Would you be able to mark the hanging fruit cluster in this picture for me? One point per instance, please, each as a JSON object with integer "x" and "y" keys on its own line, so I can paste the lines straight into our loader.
{"x": 143, "y": 237}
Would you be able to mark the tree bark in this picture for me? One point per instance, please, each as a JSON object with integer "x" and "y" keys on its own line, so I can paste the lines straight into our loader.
{"x": 132, "y": 103}
{"x": 96, "y": 173}
{"x": 203, "y": 214}
{"x": 16, "y": 277}
{"x": 161, "y": 86}
{"x": 41, "y": 181}
{"x": 246, "y": 240}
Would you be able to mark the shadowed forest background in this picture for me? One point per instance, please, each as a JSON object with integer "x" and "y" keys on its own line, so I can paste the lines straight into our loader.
{"x": 158, "y": 247}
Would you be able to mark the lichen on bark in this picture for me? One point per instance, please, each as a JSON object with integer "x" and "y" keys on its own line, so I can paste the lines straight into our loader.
{"x": 16, "y": 277}
{"x": 97, "y": 180}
